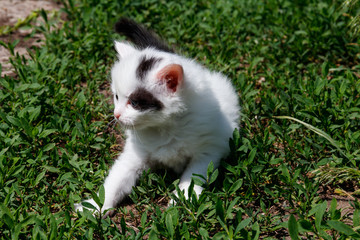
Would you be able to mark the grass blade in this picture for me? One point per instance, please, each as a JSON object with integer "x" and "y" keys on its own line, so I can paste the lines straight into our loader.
{"x": 293, "y": 228}
{"x": 343, "y": 228}
{"x": 315, "y": 130}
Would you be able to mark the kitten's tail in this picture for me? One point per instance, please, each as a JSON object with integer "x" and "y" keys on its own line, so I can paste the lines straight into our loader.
{"x": 140, "y": 36}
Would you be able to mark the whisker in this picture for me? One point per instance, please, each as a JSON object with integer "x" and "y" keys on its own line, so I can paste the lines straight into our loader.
{"x": 111, "y": 124}
{"x": 136, "y": 133}
{"x": 114, "y": 123}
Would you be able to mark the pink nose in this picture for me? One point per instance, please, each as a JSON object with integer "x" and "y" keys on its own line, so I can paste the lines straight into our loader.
{"x": 117, "y": 115}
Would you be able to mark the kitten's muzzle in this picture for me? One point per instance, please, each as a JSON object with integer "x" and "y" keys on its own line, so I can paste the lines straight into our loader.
{"x": 117, "y": 115}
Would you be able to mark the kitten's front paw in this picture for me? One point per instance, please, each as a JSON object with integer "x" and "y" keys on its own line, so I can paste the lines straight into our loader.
{"x": 79, "y": 207}
{"x": 172, "y": 203}
{"x": 184, "y": 187}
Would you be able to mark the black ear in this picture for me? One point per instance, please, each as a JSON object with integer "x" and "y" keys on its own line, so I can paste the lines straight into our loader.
{"x": 140, "y": 36}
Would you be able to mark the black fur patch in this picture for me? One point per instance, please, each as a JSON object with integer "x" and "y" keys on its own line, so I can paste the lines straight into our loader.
{"x": 140, "y": 36}
{"x": 143, "y": 100}
{"x": 146, "y": 64}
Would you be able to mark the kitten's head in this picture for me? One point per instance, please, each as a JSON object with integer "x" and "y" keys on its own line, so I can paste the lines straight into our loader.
{"x": 147, "y": 86}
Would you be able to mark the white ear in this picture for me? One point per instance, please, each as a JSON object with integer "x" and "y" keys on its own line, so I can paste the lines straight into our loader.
{"x": 124, "y": 49}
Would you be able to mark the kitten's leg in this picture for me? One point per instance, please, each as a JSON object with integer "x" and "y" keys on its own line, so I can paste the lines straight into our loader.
{"x": 122, "y": 177}
{"x": 198, "y": 166}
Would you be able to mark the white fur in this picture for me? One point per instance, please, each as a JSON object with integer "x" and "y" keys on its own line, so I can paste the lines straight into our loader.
{"x": 192, "y": 130}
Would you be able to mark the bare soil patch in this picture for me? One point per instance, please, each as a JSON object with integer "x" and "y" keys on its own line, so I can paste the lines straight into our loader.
{"x": 10, "y": 12}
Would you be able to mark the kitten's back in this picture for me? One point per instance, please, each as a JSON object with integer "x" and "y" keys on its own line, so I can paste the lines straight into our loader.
{"x": 227, "y": 97}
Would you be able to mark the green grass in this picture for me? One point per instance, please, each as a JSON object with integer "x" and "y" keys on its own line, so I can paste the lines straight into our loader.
{"x": 296, "y": 59}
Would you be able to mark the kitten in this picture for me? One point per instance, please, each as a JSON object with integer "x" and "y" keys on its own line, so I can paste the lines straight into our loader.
{"x": 177, "y": 114}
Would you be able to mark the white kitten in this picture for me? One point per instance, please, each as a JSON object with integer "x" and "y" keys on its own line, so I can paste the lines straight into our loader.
{"x": 176, "y": 113}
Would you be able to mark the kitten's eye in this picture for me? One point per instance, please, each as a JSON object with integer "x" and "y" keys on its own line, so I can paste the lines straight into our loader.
{"x": 133, "y": 103}
{"x": 116, "y": 96}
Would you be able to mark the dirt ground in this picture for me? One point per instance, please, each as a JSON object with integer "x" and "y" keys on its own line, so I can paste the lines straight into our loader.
{"x": 10, "y": 12}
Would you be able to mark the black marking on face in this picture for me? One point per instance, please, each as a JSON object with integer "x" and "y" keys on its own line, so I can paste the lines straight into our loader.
{"x": 146, "y": 64}
{"x": 143, "y": 100}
